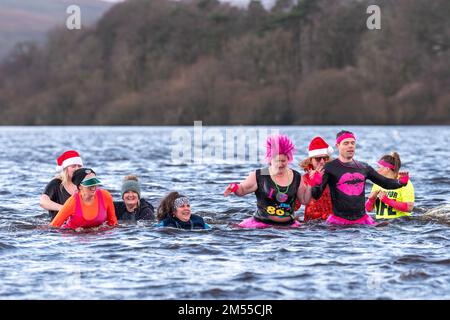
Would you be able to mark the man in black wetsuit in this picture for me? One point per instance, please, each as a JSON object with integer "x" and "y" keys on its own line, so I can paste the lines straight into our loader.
{"x": 346, "y": 180}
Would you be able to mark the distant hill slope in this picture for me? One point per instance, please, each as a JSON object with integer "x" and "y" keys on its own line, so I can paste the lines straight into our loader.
{"x": 29, "y": 20}
{"x": 172, "y": 62}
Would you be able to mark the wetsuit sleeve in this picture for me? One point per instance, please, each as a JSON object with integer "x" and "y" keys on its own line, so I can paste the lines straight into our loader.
{"x": 316, "y": 192}
{"x": 383, "y": 182}
{"x": 110, "y": 210}
{"x": 66, "y": 211}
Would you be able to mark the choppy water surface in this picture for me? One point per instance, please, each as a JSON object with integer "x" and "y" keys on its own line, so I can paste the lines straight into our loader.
{"x": 407, "y": 259}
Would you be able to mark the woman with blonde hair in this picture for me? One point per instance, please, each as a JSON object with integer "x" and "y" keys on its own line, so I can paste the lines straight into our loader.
{"x": 60, "y": 188}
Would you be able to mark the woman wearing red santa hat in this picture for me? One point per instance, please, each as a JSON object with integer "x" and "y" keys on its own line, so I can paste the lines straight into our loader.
{"x": 318, "y": 154}
{"x": 61, "y": 187}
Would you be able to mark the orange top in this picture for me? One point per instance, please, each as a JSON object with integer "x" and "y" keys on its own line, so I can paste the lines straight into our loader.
{"x": 89, "y": 211}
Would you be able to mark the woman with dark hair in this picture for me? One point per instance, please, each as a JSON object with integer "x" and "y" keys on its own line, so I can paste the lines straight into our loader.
{"x": 89, "y": 207}
{"x": 175, "y": 211}
{"x": 391, "y": 204}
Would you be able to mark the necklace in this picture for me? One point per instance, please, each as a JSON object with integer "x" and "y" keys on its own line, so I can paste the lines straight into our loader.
{"x": 281, "y": 196}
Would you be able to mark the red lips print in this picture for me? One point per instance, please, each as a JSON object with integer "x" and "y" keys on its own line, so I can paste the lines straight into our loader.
{"x": 352, "y": 184}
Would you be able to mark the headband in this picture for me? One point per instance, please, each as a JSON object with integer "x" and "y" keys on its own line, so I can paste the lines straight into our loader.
{"x": 386, "y": 164}
{"x": 179, "y": 202}
{"x": 344, "y": 136}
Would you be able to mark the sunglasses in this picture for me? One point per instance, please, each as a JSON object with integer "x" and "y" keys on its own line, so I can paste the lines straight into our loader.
{"x": 325, "y": 158}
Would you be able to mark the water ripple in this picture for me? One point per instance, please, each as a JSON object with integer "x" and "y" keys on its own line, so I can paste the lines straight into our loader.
{"x": 407, "y": 259}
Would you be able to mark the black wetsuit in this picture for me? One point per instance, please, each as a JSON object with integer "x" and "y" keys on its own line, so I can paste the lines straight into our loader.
{"x": 195, "y": 222}
{"x": 57, "y": 193}
{"x": 347, "y": 184}
{"x": 273, "y": 200}
{"x": 144, "y": 211}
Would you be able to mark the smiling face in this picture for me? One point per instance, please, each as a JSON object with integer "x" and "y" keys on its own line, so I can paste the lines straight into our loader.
{"x": 183, "y": 212}
{"x": 130, "y": 198}
{"x": 88, "y": 192}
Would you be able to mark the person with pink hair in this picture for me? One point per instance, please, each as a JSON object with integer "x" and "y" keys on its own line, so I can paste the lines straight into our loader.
{"x": 276, "y": 187}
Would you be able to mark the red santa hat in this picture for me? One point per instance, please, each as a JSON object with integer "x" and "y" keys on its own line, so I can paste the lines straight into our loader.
{"x": 318, "y": 146}
{"x": 68, "y": 158}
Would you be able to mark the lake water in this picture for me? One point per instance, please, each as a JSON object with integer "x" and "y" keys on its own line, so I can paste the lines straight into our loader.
{"x": 408, "y": 259}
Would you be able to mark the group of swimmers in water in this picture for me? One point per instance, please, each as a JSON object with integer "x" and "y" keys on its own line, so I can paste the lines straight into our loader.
{"x": 332, "y": 190}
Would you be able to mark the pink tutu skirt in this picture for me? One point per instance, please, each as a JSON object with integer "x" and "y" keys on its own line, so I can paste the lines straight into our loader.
{"x": 341, "y": 221}
{"x": 252, "y": 223}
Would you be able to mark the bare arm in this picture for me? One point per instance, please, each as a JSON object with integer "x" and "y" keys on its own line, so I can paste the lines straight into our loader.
{"x": 48, "y": 204}
{"x": 246, "y": 186}
{"x": 304, "y": 192}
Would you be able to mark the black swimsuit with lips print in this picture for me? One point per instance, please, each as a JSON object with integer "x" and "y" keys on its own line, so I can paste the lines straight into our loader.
{"x": 347, "y": 183}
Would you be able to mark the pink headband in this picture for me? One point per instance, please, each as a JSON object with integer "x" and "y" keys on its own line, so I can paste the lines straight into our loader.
{"x": 344, "y": 136}
{"x": 385, "y": 164}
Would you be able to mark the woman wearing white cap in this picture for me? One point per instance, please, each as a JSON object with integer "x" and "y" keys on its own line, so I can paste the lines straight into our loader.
{"x": 87, "y": 208}
{"x": 61, "y": 187}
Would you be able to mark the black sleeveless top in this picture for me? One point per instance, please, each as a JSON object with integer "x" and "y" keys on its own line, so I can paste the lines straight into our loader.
{"x": 273, "y": 200}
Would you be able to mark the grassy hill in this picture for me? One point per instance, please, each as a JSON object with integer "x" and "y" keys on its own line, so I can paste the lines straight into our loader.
{"x": 29, "y": 20}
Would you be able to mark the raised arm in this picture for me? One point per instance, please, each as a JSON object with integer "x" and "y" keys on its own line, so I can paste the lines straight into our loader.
{"x": 384, "y": 182}
{"x": 304, "y": 192}
{"x": 246, "y": 186}
{"x": 320, "y": 185}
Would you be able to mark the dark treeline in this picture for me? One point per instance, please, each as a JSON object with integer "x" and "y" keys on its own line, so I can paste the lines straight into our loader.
{"x": 302, "y": 62}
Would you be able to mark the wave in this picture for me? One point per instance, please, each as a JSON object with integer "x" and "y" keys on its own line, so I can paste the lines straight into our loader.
{"x": 440, "y": 214}
{"x": 4, "y": 246}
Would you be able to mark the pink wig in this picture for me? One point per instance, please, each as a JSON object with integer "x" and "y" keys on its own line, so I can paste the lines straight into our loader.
{"x": 279, "y": 144}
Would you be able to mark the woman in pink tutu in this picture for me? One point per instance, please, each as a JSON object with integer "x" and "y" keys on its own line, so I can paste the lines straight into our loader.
{"x": 276, "y": 187}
